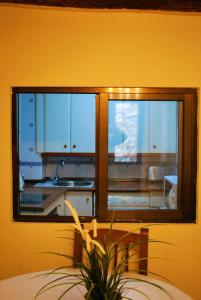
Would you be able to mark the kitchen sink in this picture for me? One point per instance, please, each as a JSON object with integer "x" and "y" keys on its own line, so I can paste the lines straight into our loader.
{"x": 74, "y": 183}
{"x": 66, "y": 183}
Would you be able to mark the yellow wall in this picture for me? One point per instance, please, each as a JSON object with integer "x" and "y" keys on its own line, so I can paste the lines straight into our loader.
{"x": 59, "y": 47}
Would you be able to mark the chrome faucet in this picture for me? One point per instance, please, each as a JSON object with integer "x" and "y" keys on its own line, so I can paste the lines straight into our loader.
{"x": 61, "y": 164}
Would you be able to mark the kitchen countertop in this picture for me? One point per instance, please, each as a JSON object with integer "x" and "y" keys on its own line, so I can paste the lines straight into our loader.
{"x": 39, "y": 199}
{"x": 114, "y": 186}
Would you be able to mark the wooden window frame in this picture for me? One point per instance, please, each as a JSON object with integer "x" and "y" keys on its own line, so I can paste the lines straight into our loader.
{"x": 187, "y": 163}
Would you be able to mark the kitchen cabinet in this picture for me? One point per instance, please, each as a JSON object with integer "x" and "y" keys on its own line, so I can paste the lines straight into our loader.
{"x": 115, "y": 133}
{"x": 57, "y": 123}
{"x": 83, "y": 119}
{"x": 142, "y": 127}
{"x": 128, "y": 201}
{"x": 163, "y": 126}
{"x": 65, "y": 123}
{"x": 81, "y": 201}
{"x": 128, "y": 127}
{"x": 136, "y": 200}
{"x": 52, "y": 122}
{"x": 61, "y": 208}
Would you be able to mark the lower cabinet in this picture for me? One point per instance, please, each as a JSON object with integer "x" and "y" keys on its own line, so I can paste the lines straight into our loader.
{"x": 136, "y": 200}
{"x": 57, "y": 207}
{"x": 128, "y": 201}
{"x": 82, "y": 201}
{"x": 61, "y": 206}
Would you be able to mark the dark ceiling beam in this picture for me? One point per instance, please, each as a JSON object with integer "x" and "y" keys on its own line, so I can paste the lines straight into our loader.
{"x": 165, "y": 5}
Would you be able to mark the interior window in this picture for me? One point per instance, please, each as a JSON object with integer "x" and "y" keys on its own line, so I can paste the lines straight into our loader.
{"x": 130, "y": 153}
{"x": 142, "y": 155}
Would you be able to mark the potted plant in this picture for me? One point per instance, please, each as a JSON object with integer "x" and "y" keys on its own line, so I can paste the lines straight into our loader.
{"x": 100, "y": 280}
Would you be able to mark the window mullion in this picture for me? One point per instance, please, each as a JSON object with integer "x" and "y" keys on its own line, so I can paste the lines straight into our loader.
{"x": 103, "y": 156}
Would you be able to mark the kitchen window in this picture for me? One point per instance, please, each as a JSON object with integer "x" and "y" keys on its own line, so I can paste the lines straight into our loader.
{"x": 126, "y": 152}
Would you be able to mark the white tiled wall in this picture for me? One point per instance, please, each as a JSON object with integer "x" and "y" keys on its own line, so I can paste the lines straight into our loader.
{"x": 30, "y": 161}
{"x": 126, "y": 171}
{"x": 70, "y": 170}
{"x": 115, "y": 171}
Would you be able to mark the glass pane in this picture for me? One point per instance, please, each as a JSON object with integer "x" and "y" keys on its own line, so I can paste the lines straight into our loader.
{"x": 143, "y": 155}
{"x": 56, "y": 148}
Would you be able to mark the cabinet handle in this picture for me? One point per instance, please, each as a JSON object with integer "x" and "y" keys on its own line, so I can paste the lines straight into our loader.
{"x": 87, "y": 200}
{"x": 74, "y": 146}
{"x": 154, "y": 146}
{"x": 65, "y": 146}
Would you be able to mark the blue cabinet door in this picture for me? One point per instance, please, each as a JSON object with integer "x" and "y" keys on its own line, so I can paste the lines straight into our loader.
{"x": 163, "y": 126}
{"x": 140, "y": 125}
{"x": 57, "y": 123}
{"x": 128, "y": 129}
{"x": 65, "y": 123}
{"x": 83, "y": 123}
{"x": 115, "y": 121}
{"x": 40, "y": 122}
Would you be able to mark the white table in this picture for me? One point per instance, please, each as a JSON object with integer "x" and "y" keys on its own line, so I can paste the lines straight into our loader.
{"x": 25, "y": 287}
